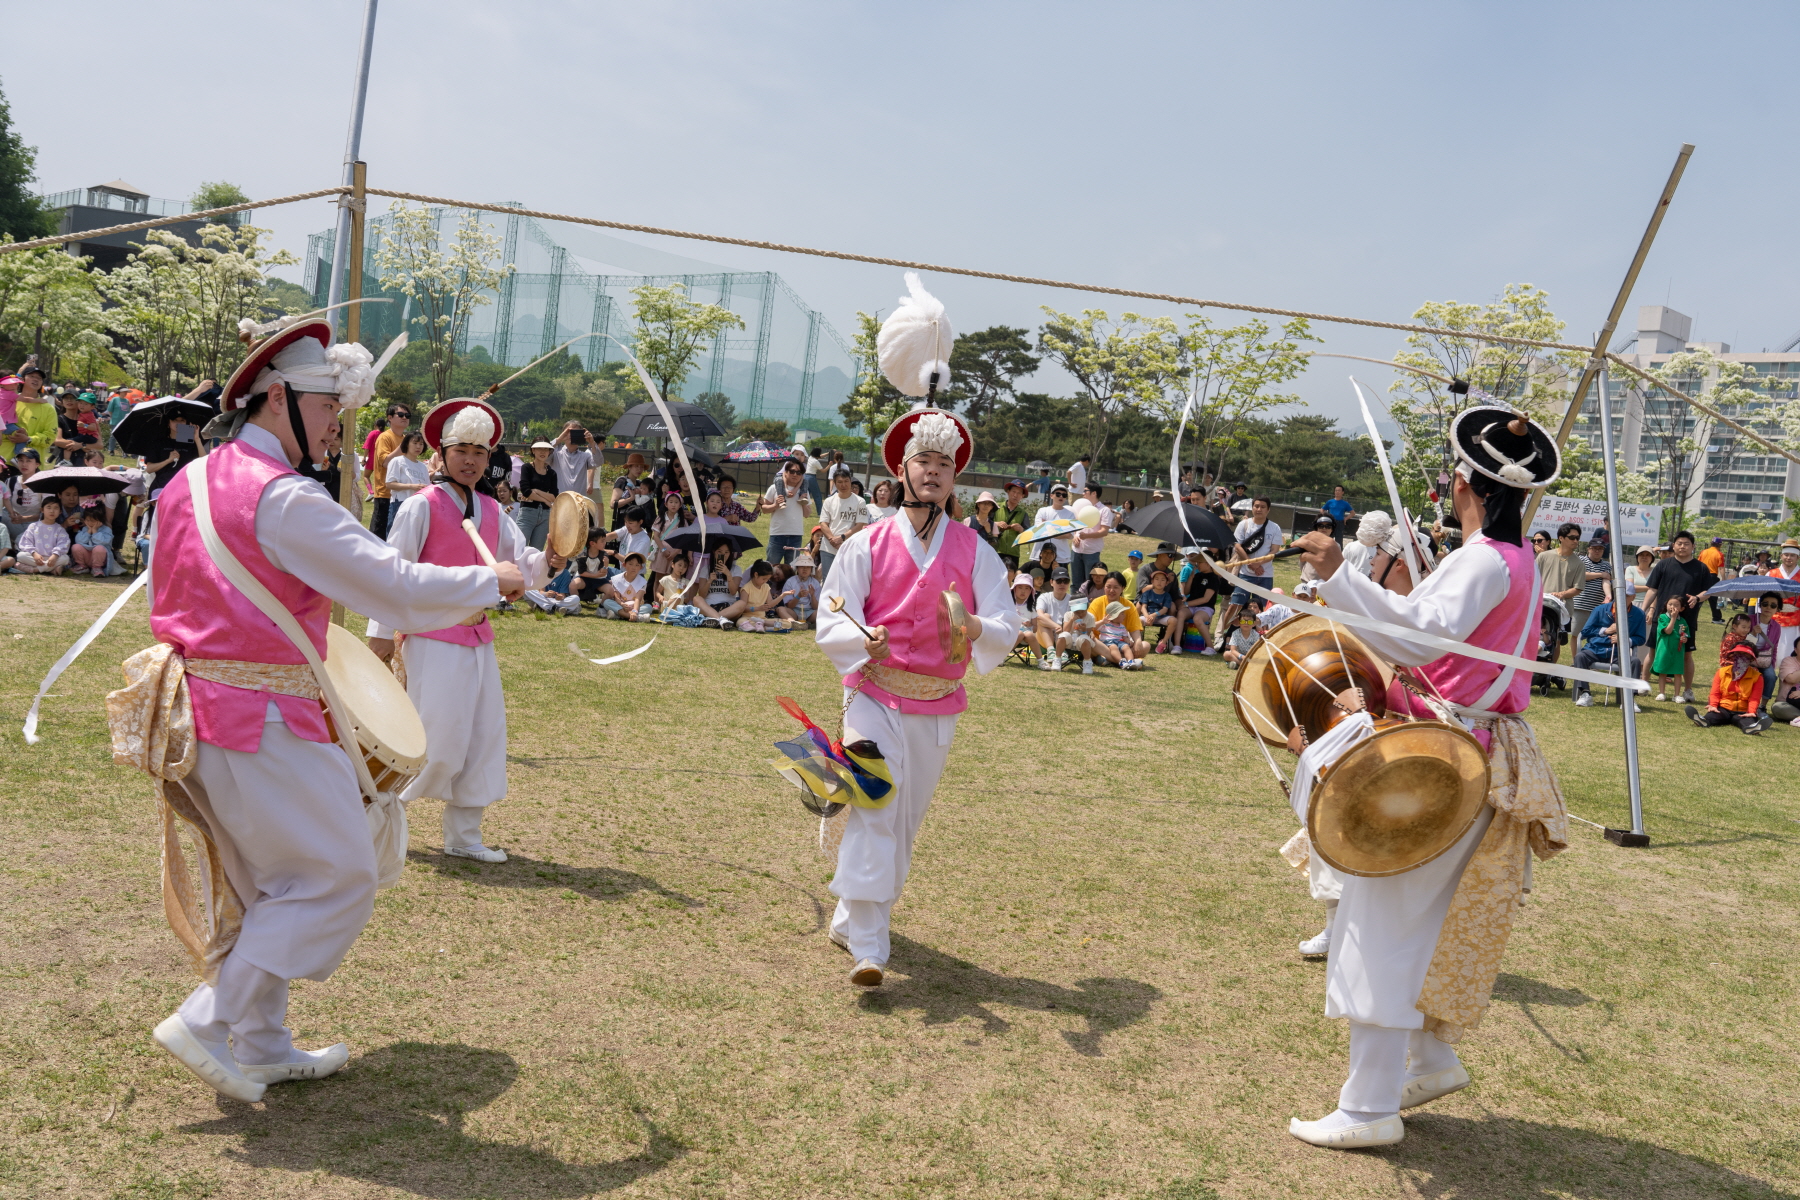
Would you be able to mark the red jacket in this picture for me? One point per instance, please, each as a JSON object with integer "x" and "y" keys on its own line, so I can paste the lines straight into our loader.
{"x": 1736, "y": 695}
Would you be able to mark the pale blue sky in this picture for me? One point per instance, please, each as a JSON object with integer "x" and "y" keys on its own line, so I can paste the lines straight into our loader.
{"x": 1350, "y": 158}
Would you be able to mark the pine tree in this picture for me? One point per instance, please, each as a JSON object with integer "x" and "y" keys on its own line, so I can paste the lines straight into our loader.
{"x": 21, "y": 214}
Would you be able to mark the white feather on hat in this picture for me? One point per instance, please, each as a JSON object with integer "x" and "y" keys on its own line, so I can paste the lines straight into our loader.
{"x": 471, "y": 426}
{"x": 915, "y": 341}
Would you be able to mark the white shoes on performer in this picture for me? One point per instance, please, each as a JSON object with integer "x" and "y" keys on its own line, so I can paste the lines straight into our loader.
{"x": 1350, "y": 1131}
{"x": 211, "y": 1062}
{"x": 1317, "y": 947}
{"x": 486, "y": 854}
{"x": 841, "y": 941}
{"x": 307, "y": 1064}
{"x": 867, "y": 973}
{"x": 1423, "y": 1089}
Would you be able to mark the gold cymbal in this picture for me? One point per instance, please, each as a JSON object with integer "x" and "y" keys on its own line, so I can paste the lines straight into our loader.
{"x": 1398, "y": 799}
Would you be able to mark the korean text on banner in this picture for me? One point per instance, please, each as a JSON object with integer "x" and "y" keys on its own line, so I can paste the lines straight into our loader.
{"x": 1639, "y": 524}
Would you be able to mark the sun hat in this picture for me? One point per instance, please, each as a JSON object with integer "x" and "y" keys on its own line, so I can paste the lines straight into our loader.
{"x": 804, "y": 559}
{"x": 987, "y": 498}
{"x": 541, "y": 444}
{"x": 1023, "y": 580}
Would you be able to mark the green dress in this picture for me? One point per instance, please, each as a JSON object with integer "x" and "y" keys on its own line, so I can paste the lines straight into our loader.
{"x": 1671, "y": 652}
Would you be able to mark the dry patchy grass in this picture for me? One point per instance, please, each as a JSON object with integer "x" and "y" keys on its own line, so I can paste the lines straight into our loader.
{"x": 1095, "y": 989}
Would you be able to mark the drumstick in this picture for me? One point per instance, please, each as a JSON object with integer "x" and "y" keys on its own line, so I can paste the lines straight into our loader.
{"x": 836, "y": 605}
{"x": 487, "y": 556}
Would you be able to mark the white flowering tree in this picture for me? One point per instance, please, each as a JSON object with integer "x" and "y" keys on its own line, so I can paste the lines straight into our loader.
{"x": 47, "y": 299}
{"x": 1233, "y": 374}
{"x": 446, "y": 286}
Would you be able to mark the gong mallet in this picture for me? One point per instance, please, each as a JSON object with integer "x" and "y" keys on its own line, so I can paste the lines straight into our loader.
{"x": 836, "y": 605}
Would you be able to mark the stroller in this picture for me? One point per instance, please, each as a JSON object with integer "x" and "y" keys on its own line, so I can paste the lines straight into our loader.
{"x": 1553, "y": 634}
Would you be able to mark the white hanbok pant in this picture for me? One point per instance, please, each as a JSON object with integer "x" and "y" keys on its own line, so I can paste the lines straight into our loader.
{"x": 457, "y": 692}
{"x": 876, "y": 853}
{"x": 294, "y": 841}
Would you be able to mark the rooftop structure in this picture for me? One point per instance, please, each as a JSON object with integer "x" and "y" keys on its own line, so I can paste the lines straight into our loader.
{"x": 118, "y": 203}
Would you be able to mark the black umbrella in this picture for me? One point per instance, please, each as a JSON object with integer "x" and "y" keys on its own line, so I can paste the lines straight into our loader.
{"x": 643, "y": 420}
{"x": 688, "y": 538}
{"x": 696, "y": 454}
{"x": 1162, "y": 522}
{"x": 145, "y": 429}
{"x": 91, "y": 481}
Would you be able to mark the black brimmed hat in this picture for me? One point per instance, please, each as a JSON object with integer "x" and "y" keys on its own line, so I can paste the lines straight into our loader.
{"x": 1506, "y": 446}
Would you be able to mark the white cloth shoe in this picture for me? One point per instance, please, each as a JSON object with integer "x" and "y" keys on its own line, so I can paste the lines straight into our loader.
{"x": 1585, "y": 700}
{"x": 867, "y": 973}
{"x": 1423, "y": 1089}
{"x": 311, "y": 1064}
{"x": 1341, "y": 1131}
{"x": 1317, "y": 947}
{"x": 839, "y": 940}
{"x": 222, "y": 1075}
{"x": 486, "y": 854}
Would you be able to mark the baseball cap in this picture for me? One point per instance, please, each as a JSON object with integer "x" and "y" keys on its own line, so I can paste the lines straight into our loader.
{"x": 1137, "y": 554}
{"x": 1061, "y": 487}
{"x": 1017, "y": 483}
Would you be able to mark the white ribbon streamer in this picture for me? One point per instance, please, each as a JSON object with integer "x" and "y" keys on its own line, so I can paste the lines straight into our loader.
{"x": 74, "y": 652}
{"x": 1409, "y": 540}
{"x": 1358, "y": 621}
{"x": 617, "y": 658}
{"x": 674, "y": 436}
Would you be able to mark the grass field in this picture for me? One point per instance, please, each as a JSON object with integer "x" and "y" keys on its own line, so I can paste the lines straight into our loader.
{"x": 1095, "y": 989}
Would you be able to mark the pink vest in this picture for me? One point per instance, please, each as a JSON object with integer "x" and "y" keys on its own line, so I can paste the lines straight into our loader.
{"x": 1464, "y": 681}
{"x": 906, "y": 600}
{"x": 447, "y": 545}
{"x": 196, "y": 610}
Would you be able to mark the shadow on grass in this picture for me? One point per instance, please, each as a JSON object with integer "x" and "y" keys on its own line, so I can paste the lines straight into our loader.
{"x": 599, "y": 883}
{"x": 1517, "y": 989}
{"x": 1499, "y": 1158}
{"x": 394, "y": 1119}
{"x": 948, "y": 989}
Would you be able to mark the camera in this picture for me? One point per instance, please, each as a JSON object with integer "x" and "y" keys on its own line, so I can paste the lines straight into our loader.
{"x": 577, "y": 437}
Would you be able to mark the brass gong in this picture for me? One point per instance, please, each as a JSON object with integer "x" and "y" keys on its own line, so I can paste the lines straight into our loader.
{"x": 953, "y": 631}
{"x": 1399, "y": 798}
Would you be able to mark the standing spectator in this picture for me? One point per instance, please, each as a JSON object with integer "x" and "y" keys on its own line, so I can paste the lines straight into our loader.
{"x": 1788, "y": 617}
{"x": 788, "y": 507}
{"x": 1044, "y": 482}
{"x": 1714, "y": 558}
{"x": 884, "y": 501}
{"x": 986, "y": 520}
{"x": 812, "y": 467}
{"x": 407, "y": 474}
{"x": 1341, "y": 511}
{"x": 37, "y": 414}
{"x": 537, "y": 492}
{"x": 1052, "y": 624}
{"x": 1674, "y": 649}
{"x": 387, "y": 444}
{"x": 1087, "y": 546}
{"x": 1256, "y": 536}
{"x": 1596, "y": 585}
{"x": 1135, "y": 578}
{"x": 44, "y": 546}
{"x": 842, "y": 514}
{"x": 1563, "y": 572}
{"x": 729, "y": 508}
{"x": 1736, "y": 695}
{"x": 1599, "y": 644}
{"x": 1680, "y": 576}
{"x": 117, "y": 408}
{"x": 1159, "y": 611}
{"x": 573, "y": 461}
{"x": 1078, "y": 475}
{"x": 624, "y": 489}
{"x": 1058, "y": 508}
{"x": 1014, "y": 519}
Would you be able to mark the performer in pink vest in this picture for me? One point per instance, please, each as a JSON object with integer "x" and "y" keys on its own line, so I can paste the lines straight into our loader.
{"x": 451, "y": 673}
{"x": 902, "y": 692}
{"x": 279, "y": 798}
{"x": 1414, "y": 956}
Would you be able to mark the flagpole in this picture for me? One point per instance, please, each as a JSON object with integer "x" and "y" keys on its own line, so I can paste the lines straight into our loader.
{"x": 340, "y": 246}
{"x": 1635, "y": 836}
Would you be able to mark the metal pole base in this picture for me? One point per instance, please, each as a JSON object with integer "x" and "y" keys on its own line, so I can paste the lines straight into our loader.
{"x": 1626, "y": 838}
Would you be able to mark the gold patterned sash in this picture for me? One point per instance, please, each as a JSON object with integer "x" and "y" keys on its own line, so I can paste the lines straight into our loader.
{"x": 909, "y": 685}
{"x": 152, "y": 723}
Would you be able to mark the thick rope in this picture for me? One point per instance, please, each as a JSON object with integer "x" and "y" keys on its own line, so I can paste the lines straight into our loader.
{"x": 88, "y": 235}
{"x": 970, "y": 271}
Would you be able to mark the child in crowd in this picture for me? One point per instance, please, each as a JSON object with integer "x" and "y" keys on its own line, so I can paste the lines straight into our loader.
{"x": 721, "y": 587}
{"x": 590, "y": 571}
{"x": 672, "y": 588}
{"x": 1024, "y": 592}
{"x": 800, "y": 594}
{"x": 633, "y": 539}
{"x": 92, "y": 550}
{"x": 1243, "y": 639}
{"x": 624, "y": 593}
{"x": 44, "y": 546}
{"x": 1052, "y": 624}
{"x": 558, "y": 595}
{"x": 1116, "y": 624}
{"x": 1672, "y": 646}
{"x": 6, "y": 557}
{"x": 9, "y": 416}
{"x": 757, "y": 597}
{"x": 1736, "y": 693}
{"x": 1043, "y": 568}
{"x": 1158, "y": 611}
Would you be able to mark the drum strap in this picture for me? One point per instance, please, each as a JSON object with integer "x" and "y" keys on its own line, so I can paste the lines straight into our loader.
{"x": 1504, "y": 679}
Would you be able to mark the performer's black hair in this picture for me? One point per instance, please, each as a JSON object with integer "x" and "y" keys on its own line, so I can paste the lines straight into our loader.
{"x": 1503, "y": 507}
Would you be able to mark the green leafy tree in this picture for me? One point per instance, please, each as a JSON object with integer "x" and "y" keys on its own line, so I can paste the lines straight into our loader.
{"x": 874, "y": 403}
{"x": 219, "y": 194}
{"x": 391, "y": 389}
{"x": 22, "y": 215}
{"x": 1232, "y": 374}
{"x": 1307, "y": 453}
{"x": 765, "y": 429}
{"x": 592, "y": 399}
{"x": 1675, "y": 437}
{"x": 1584, "y": 477}
{"x": 445, "y": 286}
{"x": 671, "y": 329}
{"x": 984, "y": 367}
{"x": 1120, "y": 366}
{"x": 722, "y": 409}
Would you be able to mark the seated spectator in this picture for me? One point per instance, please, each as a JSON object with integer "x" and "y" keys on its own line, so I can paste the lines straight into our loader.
{"x": 1598, "y": 643}
{"x": 44, "y": 546}
{"x": 590, "y": 571}
{"x": 1024, "y": 593}
{"x": 633, "y": 538}
{"x": 624, "y": 594}
{"x": 6, "y": 557}
{"x": 759, "y": 597}
{"x": 722, "y": 584}
{"x": 1116, "y": 625}
{"x": 558, "y": 595}
{"x": 1093, "y": 587}
{"x": 1243, "y": 639}
{"x": 729, "y": 508}
{"x": 672, "y": 589}
{"x": 1164, "y": 558}
{"x": 1134, "y": 575}
{"x": 1160, "y": 612}
{"x": 1043, "y": 567}
{"x": 92, "y": 550}
{"x": 1080, "y": 638}
{"x": 1736, "y": 693}
{"x": 1199, "y": 587}
{"x": 1786, "y": 705}
{"x": 1051, "y": 621}
{"x": 799, "y": 593}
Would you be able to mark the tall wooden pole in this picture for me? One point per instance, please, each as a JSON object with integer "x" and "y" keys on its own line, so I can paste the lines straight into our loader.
{"x": 350, "y": 445}
{"x": 1579, "y": 398}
